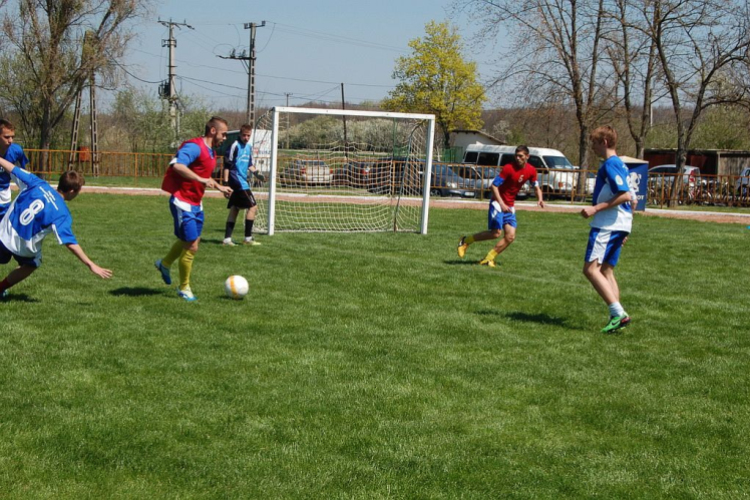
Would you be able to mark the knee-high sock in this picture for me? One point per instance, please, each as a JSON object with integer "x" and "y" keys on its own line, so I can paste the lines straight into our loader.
{"x": 186, "y": 266}
{"x": 173, "y": 254}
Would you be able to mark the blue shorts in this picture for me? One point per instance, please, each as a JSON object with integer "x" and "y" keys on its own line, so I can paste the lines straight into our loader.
{"x": 3, "y": 210}
{"x": 497, "y": 219}
{"x": 605, "y": 245}
{"x": 6, "y": 254}
{"x": 188, "y": 219}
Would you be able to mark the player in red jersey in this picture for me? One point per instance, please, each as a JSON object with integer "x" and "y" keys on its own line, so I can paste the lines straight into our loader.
{"x": 502, "y": 213}
{"x": 186, "y": 180}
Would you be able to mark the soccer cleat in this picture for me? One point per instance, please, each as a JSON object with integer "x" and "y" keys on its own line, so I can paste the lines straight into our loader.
{"x": 4, "y": 295}
{"x": 462, "y": 247}
{"x": 187, "y": 295}
{"x": 228, "y": 242}
{"x": 616, "y": 322}
{"x": 164, "y": 270}
{"x": 250, "y": 242}
{"x": 487, "y": 262}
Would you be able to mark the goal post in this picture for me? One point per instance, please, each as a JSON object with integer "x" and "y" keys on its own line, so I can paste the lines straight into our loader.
{"x": 333, "y": 170}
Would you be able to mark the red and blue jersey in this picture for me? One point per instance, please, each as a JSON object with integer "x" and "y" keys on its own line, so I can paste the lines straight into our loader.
{"x": 510, "y": 180}
{"x": 200, "y": 159}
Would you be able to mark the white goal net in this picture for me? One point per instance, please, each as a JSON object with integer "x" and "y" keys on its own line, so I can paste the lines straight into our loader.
{"x": 342, "y": 170}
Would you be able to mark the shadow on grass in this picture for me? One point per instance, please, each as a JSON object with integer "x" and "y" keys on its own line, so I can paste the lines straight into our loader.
{"x": 542, "y": 319}
{"x": 138, "y": 291}
{"x": 457, "y": 262}
{"x": 20, "y": 297}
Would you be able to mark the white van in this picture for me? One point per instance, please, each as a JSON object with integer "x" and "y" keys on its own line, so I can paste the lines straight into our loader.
{"x": 557, "y": 176}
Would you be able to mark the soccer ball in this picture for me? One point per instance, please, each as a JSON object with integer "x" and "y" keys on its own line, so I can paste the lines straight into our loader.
{"x": 236, "y": 287}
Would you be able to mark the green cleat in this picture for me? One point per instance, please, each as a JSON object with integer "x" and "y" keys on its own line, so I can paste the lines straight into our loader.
{"x": 616, "y": 322}
{"x": 462, "y": 247}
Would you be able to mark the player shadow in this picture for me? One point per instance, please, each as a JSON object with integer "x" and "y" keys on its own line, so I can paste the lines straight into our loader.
{"x": 212, "y": 241}
{"x": 138, "y": 291}
{"x": 459, "y": 262}
{"x": 19, "y": 297}
{"x": 542, "y": 319}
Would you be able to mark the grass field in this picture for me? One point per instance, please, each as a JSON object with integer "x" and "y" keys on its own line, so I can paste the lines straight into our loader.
{"x": 377, "y": 365}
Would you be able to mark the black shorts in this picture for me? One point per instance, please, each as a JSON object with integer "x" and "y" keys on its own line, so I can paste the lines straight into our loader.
{"x": 241, "y": 198}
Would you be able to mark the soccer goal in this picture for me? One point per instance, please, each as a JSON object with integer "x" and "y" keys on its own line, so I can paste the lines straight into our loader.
{"x": 343, "y": 170}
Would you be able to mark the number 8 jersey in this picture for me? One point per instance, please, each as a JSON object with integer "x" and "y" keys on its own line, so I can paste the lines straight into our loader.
{"x": 37, "y": 211}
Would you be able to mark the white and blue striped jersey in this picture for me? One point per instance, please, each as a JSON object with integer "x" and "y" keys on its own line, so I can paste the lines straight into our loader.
{"x": 238, "y": 160}
{"x": 37, "y": 211}
{"x": 16, "y": 156}
{"x": 611, "y": 180}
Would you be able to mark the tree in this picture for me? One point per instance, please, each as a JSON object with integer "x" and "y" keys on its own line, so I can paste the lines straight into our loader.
{"x": 633, "y": 57}
{"x": 555, "y": 56}
{"x": 436, "y": 79}
{"x": 43, "y": 44}
{"x": 698, "y": 42}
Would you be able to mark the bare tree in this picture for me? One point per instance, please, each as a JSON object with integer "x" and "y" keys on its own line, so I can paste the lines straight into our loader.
{"x": 697, "y": 42}
{"x": 48, "y": 64}
{"x": 555, "y": 52}
{"x": 633, "y": 58}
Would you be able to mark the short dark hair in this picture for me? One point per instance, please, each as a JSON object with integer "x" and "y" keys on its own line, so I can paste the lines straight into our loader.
{"x": 6, "y": 124}
{"x": 522, "y": 148}
{"x": 71, "y": 181}
{"x": 246, "y": 128}
{"x": 213, "y": 122}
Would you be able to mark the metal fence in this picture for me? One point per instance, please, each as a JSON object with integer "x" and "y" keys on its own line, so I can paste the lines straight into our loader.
{"x": 559, "y": 184}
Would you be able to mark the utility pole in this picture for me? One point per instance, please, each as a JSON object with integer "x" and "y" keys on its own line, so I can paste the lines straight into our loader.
{"x": 250, "y": 58}
{"x": 89, "y": 44}
{"x": 287, "y": 94}
{"x": 168, "y": 90}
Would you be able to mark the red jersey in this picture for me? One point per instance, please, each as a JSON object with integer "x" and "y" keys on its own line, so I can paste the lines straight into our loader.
{"x": 511, "y": 179}
{"x": 188, "y": 190}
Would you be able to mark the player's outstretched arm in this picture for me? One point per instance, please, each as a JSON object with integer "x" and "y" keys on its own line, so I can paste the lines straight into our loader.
{"x": 539, "y": 196}
{"x": 6, "y": 165}
{"x": 99, "y": 271}
{"x": 185, "y": 172}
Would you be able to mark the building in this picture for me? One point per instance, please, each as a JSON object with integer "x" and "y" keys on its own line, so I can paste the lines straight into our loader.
{"x": 709, "y": 161}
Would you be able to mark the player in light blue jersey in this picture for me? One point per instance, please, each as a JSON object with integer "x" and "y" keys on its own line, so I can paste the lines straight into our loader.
{"x": 611, "y": 224}
{"x": 238, "y": 163}
{"x": 37, "y": 211}
{"x": 14, "y": 154}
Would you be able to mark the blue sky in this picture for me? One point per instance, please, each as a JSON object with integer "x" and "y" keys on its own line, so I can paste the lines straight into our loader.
{"x": 307, "y": 48}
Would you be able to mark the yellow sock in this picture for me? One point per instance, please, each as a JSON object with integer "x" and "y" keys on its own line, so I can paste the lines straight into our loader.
{"x": 173, "y": 254}
{"x": 469, "y": 240}
{"x": 491, "y": 255}
{"x": 186, "y": 266}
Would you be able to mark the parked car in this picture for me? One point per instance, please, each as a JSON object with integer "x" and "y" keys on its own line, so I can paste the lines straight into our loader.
{"x": 447, "y": 182}
{"x": 479, "y": 177}
{"x": 306, "y": 173}
{"x": 355, "y": 174}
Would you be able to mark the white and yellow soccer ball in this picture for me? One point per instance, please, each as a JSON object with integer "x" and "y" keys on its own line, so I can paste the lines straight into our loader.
{"x": 236, "y": 287}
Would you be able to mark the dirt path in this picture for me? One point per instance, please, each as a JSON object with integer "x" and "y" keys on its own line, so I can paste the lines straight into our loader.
{"x": 720, "y": 217}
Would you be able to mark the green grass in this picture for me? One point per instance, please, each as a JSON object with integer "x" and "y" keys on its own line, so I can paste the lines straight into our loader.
{"x": 377, "y": 365}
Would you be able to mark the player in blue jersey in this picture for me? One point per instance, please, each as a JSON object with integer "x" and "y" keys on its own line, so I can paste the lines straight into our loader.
{"x": 612, "y": 221}
{"x": 238, "y": 163}
{"x": 14, "y": 154}
{"x": 37, "y": 211}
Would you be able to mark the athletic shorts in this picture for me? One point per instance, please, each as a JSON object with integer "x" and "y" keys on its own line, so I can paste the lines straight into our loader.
{"x": 605, "y": 245}
{"x": 188, "y": 219}
{"x": 497, "y": 219}
{"x": 241, "y": 198}
{"x": 6, "y": 254}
